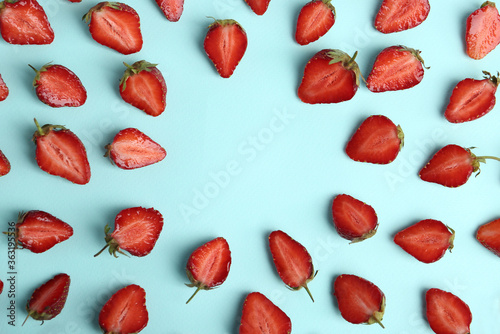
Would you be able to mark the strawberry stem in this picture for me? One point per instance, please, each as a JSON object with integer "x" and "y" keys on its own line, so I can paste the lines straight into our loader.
{"x": 488, "y": 157}
{"x": 194, "y": 294}
{"x": 308, "y": 292}
{"x": 29, "y": 314}
{"x": 378, "y": 322}
{"x": 102, "y": 250}
{"x": 39, "y": 128}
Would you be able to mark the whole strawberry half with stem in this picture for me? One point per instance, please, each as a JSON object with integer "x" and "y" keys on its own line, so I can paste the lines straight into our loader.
{"x": 208, "y": 266}
{"x": 225, "y": 44}
{"x": 472, "y": 99}
{"x": 136, "y": 231}
{"x": 48, "y": 300}
{"x": 115, "y": 25}
{"x": 427, "y": 241}
{"x": 259, "y": 7}
{"x": 360, "y": 301}
{"x": 24, "y": 22}
{"x": 377, "y": 140}
{"x": 4, "y": 90}
{"x": 132, "y": 149}
{"x": 261, "y": 316}
{"x": 396, "y": 68}
{"x": 330, "y": 76}
{"x": 172, "y": 9}
{"x": 482, "y": 33}
{"x": 59, "y": 152}
{"x": 315, "y": 20}
{"x": 446, "y": 313}
{"x": 292, "y": 261}
{"x": 125, "y": 312}
{"x": 57, "y": 86}
{"x": 489, "y": 236}
{"x": 4, "y": 164}
{"x": 399, "y": 15}
{"x": 353, "y": 219}
{"x": 143, "y": 86}
{"x": 452, "y": 166}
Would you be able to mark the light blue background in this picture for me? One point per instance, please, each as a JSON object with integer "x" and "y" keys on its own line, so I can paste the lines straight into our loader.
{"x": 287, "y": 183}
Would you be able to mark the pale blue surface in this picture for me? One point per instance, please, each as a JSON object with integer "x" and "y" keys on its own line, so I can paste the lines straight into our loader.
{"x": 288, "y": 183}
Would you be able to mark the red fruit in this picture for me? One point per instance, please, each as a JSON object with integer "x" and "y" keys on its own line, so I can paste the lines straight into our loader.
{"x": 136, "y": 231}
{"x": 225, "y": 45}
{"x": 452, "y": 166}
{"x": 315, "y": 19}
{"x": 125, "y": 312}
{"x": 115, "y": 25}
{"x": 482, "y": 33}
{"x": 396, "y": 68}
{"x": 59, "y": 152}
{"x": 489, "y": 236}
{"x": 427, "y": 241}
{"x": 142, "y": 85}
{"x": 360, "y": 301}
{"x": 261, "y": 316}
{"x": 208, "y": 266}
{"x": 446, "y": 313}
{"x": 258, "y": 6}
{"x": 1, "y": 287}
{"x": 353, "y": 219}
{"x": 132, "y": 149}
{"x": 24, "y": 22}
{"x": 377, "y": 140}
{"x": 472, "y": 99}
{"x": 330, "y": 76}
{"x": 171, "y": 8}
{"x": 48, "y": 300}
{"x": 4, "y": 165}
{"x": 399, "y": 15}
{"x": 292, "y": 261}
{"x": 4, "y": 90}
{"x": 57, "y": 86}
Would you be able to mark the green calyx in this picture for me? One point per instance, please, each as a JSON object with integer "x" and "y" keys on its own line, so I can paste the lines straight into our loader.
{"x": 194, "y": 283}
{"x": 493, "y": 79}
{"x": 304, "y": 285}
{"x": 452, "y": 238}
{"x": 488, "y": 3}
{"x": 476, "y": 161}
{"x": 111, "y": 244}
{"x": 38, "y": 73}
{"x": 415, "y": 53}
{"x": 226, "y": 22}
{"x": 88, "y": 16}
{"x": 134, "y": 69}
{"x": 45, "y": 130}
{"x": 401, "y": 137}
{"x": 349, "y": 63}
{"x": 328, "y": 3}
{"x": 377, "y": 316}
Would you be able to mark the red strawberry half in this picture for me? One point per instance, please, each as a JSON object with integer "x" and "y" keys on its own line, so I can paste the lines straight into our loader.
{"x": 396, "y": 68}
{"x": 446, "y": 313}
{"x": 399, "y": 15}
{"x": 377, "y": 140}
{"x": 259, "y": 7}
{"x": 136, "y": 231}
{"x": 115, "y": 25}
{"x": 208, "y": 266}
{"x": 472, "y": 99}
{"x": 261, "y": 316}
{"x": 4, "y": 90}
{"x": 125, "y": 312}
{"x": 225, "y": 45}
{"x": 353, "y": 219}
{"x": 172, "y": 9}
{"x": 330, "y": 76}
{"x": 315, "y": 19}
{"x": 482, "y": 33}
{"x": 24, "y": 22}
{"x": 59, "y": 152}
{"x": 1, "y": 287}
{"x": 489, "y": 236}
{"x": 142, "y": 85}
{"x": 4, "y": 165}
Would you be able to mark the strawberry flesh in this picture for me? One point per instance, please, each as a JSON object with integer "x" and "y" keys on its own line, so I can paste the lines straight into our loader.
{"x": 261, "y": 316}
{"x": 482, "y": 33}
{"x": 172, "y": 9}
{"x": 259, "y": 7}
{"x": 399, "y": 15}
{"x": 4, "y": 90}
{"x": 4, "y": 165}
{"x": 353, "y": 219}
{"x": 446, "y": 313}
{"x": 489, "y": 236}
{"x": 1, "y": 287}
{"x": 48, "y": 300}
{"x": 315, "y": 20}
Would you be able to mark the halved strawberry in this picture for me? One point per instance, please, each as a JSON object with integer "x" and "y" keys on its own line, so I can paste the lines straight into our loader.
{"x": 399, "y": 15}
{"x": 115, "y": 25}
{"x": 396, "y": 68}
{"x": 171, "y": 8}
{"x": 143, "y": 86}
{"x": 136, "y": 231}
{"x": 472, "y": 99}
{"x": 489, "y": 236}
{"x": 225, "y": 45}
{"x": 377, "y": 140}
{"x": 482, "y": 33}
{"x": 125, "y": 312}
{"x": 259, "y": 7}
{"x": 315, "y": 19}
{"x": 330, "y": 76}
{"x": 293, "y": 262}
{"x": 24, "y": 22}
{"x": 59, "y": 152}
{"x": 261, "y": 316}
{"x": 446, "y": 313}
{"x": 1, "y": 286}
{"x": 4, "y": 90}
{"x": 360, "y": 301}
{"x": 208, "y": 266}
{"x": 427, "y": 241}
{"x": 353, "y": 219}
{"x": 4, "y": 164}
{"x": 75, "y": 0}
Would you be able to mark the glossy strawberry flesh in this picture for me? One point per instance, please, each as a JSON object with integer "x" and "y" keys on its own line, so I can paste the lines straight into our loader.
{"x": 353, "y": 219}
{"x": 171, "y": 8}
{"x": 146, "y": 91}
{"x": 208, "y": 266}
{"x": 315, "y": 19}
{"x": 489, "y": 236}
{"x": 446, "y": 313}
{"x": 259, "y": 7}
{"x": 57, "y": 86}
{"x": 261, "y": 316}
{"x": 4, "y": 90}
{"x": 399, "y": 15}
{"x": 125, "y": 312}
{"x": 451, "y": 166}
{"x": 482, "y": 31}
{"x": 48, "y": 300}
{"x": 1, "y": 287}
{"x": 4, "y": 165}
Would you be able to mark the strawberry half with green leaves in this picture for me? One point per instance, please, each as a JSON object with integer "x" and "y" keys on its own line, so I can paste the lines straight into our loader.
{"x": 353, "y": 219}
{"x": 259, "y": 7}
{"x": 399, "y": 15}
{"x": 482, "y": 33}
{"x": 172, "y": 9}
{"x": 446, "y": 313}
{"x": 143, "y": 86}
{"x": 489, "y": 236}
{"x": 261, "y": 316}
{"x": 208, "y": 266}
{"x": 315, "y": 20}
{"x": 115, "y": 25}
{"x": 4, "y": 90}
{"x": 330, "y": 76}
{"x": 4, "y": 164}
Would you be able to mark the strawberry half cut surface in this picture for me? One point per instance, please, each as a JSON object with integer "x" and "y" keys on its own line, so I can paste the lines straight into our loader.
{"x": 48, "y": 300}
{"x": 59, "y": 152}
{"x": 136, "y": 231}
{"x": 399, "y": 15}
{"x": 315, "y": 20}
{"x": 4, "y": 90}
{"x": 208, "y": 266}
{"x": 259, "y": 7}
{"x": 353, "y": 219}
{"x": 446, "y": 313}
{"x": 489, "y": 236}
{"x": 482, "y": 33}
{"x": 4, "y": 164}
{"x": 172, "y": 9}
{"x": 125, "y": 312}
{"x": 261, "y": 316}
